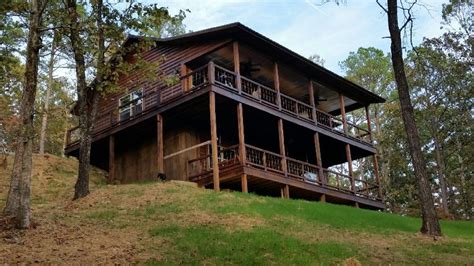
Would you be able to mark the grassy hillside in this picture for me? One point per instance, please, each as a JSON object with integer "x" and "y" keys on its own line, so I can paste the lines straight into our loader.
{"x": 175, "y": 222}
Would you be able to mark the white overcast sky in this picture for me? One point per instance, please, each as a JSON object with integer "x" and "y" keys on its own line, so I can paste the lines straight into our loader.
{"x": 307, "y": 27}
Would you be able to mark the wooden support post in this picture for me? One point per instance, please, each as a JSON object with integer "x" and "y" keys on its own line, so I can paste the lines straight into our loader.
{"x": 282, "y": 193}
{"x": 311, "y": 99}
{"x": 240, "y": 127}
{"x": 211, "y": 72}
{"x": 111, "y": 158}
{"x": 349, "y": 162}
{"x": 215, "y": 161}
{"x": 356, "y": 204}
{"x": 343, "y": 112}
{"x": 377, "y": 177}
{"x": 245, "y": 188}
{"x": 281, "y": 139}
{"x": 185, "y": 83}
{"x": 276, "y": 81}
{"x": 369, "y": 126}
{"x": 322, "y": 198}
{"x": 319, "y": 161}
{"x": 160, "y": 144}
{"x": 235, "y": 50}
{"x": 286, "y": 191}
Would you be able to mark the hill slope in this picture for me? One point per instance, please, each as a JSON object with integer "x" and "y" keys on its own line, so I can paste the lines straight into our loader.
{"x": 175, "y": 222}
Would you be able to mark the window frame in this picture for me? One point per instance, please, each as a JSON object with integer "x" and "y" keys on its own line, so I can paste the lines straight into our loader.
{"x": 130, "y": 105}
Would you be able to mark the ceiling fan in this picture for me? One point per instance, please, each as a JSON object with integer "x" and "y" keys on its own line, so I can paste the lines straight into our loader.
{"x": 318, "y": 98}
{"x": 248, "y": 67}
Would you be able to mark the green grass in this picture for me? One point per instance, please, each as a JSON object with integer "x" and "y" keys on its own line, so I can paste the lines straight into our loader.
{"x": 259, "y": 246}
{"x": 175, "y": 223}
{"x": 336, "y": 216}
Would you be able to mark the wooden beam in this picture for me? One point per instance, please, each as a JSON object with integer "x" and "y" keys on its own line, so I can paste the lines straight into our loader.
{"x": 322, "y": 198}
{"x": 240, "y": 127}
{"x": 369, "y": 126}
{"x": 281, "y": 139}
{"x": 319, "y": 161}
{"x": 236, "y": 55}
{"x": 349, "y": 163}
{"x": 356, "y": 204}
{"x": 111, "y": 177}
{"x": 276, "y": 82}
{"x": 343, "y": 112}
{"x": 187, "y": 149}
{"x": 287, "y": 191}
{"x": 311, "y": 99}
{"x": 245, "y": 188}
{"x": 160, "y": 144}
{"x": 184, "y": 82}
{"x": 215, "y": 161}
{"x": 210, "y": 72}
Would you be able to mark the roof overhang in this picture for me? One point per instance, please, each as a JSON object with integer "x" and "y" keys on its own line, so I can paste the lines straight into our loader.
{"x": 240, "y": 32}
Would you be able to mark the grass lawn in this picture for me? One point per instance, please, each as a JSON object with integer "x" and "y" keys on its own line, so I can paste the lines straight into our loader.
{"x": 177, "y": 223}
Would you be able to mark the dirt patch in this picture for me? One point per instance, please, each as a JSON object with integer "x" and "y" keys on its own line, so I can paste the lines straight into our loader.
{"x": 58, "y": 243}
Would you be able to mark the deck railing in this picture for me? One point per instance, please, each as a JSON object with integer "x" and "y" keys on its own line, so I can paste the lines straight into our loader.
{"x": 310, "y": 173}
{"x": 228, "y": 79}
{"x": 201, "y": 167}
{"x": 263, "y": 94}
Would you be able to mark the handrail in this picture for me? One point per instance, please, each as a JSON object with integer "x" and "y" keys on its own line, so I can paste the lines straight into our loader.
{"x": 193, "y": 72}
{"x": 255, "y": 91}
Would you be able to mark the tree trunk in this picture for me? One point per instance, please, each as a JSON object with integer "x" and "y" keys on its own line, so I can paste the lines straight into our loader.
{"x": 18, "y": 200}
{"x": 88, "y": 97}
{"x": 81, "y": 189}
{"x": 44, "y": 119}
{"x": 441, "y": 167}
{"x": 430, "y": 224}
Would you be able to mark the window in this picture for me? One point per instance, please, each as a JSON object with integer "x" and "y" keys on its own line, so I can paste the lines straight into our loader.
{"x": 130, "y": 105}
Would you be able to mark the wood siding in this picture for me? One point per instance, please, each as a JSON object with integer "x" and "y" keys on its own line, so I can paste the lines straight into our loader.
{"x": 170, "y": 58}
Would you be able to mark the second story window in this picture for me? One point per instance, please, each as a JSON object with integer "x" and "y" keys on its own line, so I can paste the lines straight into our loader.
{"x": 130, "y": 105}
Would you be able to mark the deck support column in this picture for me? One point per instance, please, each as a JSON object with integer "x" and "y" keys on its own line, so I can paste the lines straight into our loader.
{"x": 349, "y": 163}
{"x": 242, "y": 151}
{"x": 276, "y": 81}
{"x": 281, "y": 139}
{"x": 286, "y": 191}
{"x": 244, "y": 183}
{"x": 184, "y": 82}
{"x": 236, "y": 55}
{"x": 159, "y": 144}
{"x": 111, "y": 158}
{"x": 319, "y": 161}
{"x": 322, "y": 198}
{"x": 215, "y": 161}
{"x": 311, "y": 100}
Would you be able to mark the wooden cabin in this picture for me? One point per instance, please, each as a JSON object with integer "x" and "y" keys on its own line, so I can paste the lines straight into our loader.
{"x": 236, "y": 110}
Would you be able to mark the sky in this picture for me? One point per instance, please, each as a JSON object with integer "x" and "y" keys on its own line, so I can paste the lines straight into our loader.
{"x": 307, "y": 27}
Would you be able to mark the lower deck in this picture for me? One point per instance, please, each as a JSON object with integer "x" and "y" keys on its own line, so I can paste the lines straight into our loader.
{"x": 262, "y": 173}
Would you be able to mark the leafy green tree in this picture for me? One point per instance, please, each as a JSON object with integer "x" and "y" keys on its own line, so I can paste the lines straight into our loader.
{"x": 96, "y": 31}
{"x": 18, "y": 200}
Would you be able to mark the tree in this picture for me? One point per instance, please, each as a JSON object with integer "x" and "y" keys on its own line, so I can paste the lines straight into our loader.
{"x": 18, "y": 200}
{"x": 49, "y": 88}
{"x": 430, "y": 223}
{"x": 92, "y": 40}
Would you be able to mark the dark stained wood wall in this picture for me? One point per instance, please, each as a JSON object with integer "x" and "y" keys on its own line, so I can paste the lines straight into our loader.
{"x": 175, "y": 140}
{"x": 170, "y": 58}
{"x": 136, "y": 154}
